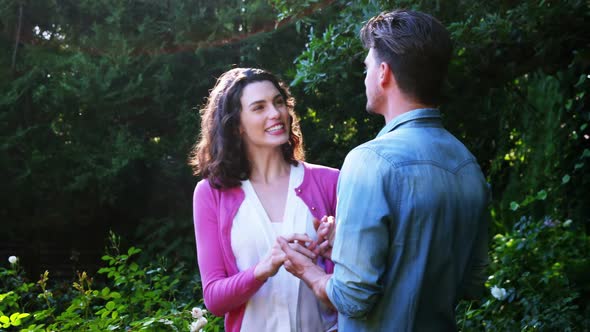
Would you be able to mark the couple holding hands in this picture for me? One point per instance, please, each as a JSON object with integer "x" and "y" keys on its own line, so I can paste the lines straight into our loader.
{"x": 409, "y": 231}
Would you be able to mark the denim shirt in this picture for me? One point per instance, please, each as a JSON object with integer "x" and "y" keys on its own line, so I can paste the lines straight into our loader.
{"x": 411, "y": 235}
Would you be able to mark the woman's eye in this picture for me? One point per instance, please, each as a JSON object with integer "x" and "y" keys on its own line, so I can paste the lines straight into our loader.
{"x": 258, "y": 108}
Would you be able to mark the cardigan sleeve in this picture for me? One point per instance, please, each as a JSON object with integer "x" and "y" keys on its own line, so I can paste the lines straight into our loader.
{"x": 222, "y": 292}
{"x": 332, "y": 196}
{"x": 326, "y": 183}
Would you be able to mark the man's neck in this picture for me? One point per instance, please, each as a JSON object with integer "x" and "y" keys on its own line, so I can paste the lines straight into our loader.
{"x": 399, "y": 107}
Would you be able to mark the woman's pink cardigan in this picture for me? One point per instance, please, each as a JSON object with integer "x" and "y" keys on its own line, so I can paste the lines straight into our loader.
{"x": 225, "y": 289}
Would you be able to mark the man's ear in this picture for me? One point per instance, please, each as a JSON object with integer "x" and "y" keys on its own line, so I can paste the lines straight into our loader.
{"x": 385, "y": 74}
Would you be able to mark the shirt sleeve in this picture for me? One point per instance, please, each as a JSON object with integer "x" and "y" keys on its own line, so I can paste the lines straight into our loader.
{"x": 473, "y": 282}
{"x": 362, "y": 233}
{"x": 221, "y": 292}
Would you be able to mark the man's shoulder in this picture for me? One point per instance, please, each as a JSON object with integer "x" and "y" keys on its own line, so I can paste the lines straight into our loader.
{"x": 387, "y": 149}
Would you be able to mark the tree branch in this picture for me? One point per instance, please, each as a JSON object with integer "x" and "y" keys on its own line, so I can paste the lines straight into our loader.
{"x": 17, "y": 39}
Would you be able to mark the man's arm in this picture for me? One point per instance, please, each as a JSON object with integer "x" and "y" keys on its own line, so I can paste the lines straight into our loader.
{"x": 472, "y": 287}
{"x": 302, "y": 266}
{"x": 362, "y": 241}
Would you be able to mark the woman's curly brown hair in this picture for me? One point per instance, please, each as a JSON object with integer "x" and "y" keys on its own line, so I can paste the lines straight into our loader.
{"x": 219, "y": 155}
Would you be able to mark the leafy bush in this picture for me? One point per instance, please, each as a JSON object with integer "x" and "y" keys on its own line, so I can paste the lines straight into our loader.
{"x": 155, "y": 297}
{"x": 538, "y": 280}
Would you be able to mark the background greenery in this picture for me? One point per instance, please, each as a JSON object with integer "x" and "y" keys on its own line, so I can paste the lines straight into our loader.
{"x": 99, "y": 107}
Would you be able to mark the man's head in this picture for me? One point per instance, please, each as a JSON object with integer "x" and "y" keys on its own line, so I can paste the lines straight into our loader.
{"x": 417, "y": 49}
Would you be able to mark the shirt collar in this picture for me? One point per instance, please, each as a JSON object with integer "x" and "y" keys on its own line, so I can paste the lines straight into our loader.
{"x": 419, "y": 113}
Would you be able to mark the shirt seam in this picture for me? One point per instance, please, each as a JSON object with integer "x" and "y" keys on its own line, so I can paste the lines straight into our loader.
{"x": 400, "y": 164}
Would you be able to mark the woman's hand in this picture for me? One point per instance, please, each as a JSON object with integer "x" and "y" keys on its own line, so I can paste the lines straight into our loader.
{"x": 326, "y": 230}
{"x": 270, "y": 265}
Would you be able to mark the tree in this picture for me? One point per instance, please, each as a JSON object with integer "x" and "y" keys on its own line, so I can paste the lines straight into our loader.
{"x": 100, "y": 109}
{"x": 506, "y": 56}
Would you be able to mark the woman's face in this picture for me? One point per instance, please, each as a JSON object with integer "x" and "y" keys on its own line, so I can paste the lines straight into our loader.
{"x": 264, "y": 118}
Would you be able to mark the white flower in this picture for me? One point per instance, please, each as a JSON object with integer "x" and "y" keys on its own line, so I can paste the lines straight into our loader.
{"x": 199, "y": 324}
{"x": 197, "y": 313}
{"x": 499, "y": 293}
{"x": 166, "y": 321}
{"x": 13, "y": 259}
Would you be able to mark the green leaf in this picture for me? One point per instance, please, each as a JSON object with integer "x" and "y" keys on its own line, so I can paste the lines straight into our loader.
{"x": 586, "y": 153}
{"x": 542, "y": 195}
{"x": 514, "y": 206}
{"x": 3, "y": 296}
{"x": 110, "y": 305}
{"x": 565, "y": 179}
{"x": 148, "y": 322}
{"x": 528, "y": 200}
{"x": 133, "y": 251}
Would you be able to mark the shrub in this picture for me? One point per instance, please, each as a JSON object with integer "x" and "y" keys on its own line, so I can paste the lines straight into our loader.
{"x": 154, "y": 297}
{"x": 538, "y": 280}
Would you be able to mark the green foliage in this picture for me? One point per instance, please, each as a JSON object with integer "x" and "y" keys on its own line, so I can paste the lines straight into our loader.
{"x": 99, "y": 109}
{"x": 545, "y": 144}
{"x": 517, "y": 95}
{"x": 542, "y": 266}
{"x": 154, "y": 297}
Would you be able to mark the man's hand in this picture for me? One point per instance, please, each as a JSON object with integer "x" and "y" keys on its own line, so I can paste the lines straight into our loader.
{"x": 301, "y": 244}
{"x": 303, "y": 267}
{"x": 270, "y": 265}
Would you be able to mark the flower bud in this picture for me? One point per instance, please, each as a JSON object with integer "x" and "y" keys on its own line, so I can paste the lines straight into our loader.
{"x": 197, "y": 313}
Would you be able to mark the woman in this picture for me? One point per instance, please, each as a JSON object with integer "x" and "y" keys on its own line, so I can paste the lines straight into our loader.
{"x": 255, "y": 188}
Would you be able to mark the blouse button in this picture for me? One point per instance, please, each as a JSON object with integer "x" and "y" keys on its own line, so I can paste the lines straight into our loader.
{"x": 313, "y": 208}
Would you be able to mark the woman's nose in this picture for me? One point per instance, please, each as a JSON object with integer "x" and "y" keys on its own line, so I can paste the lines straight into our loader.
{"x": 274, "y": 111}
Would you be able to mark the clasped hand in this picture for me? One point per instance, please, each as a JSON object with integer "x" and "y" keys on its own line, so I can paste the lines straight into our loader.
{"x": 326, "y": 230}
{"x": 270, "y": 265}
{"x": 298, "y": 252}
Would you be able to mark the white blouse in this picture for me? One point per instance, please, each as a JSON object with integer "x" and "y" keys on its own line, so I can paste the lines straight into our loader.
{"x": 283, "y": 303}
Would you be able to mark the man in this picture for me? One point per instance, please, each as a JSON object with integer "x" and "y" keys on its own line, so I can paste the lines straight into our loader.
{"x": 411, "y": 234}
